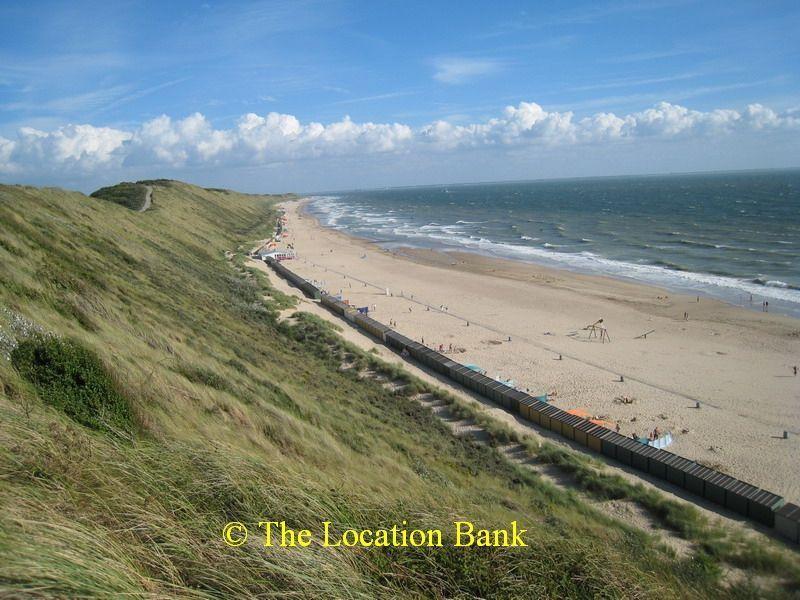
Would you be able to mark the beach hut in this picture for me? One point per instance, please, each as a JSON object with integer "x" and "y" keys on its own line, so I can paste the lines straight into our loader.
{"x": 594, "y": 437}
{"x": 677, "y": 466}
{"x": 568, "y": 425}
{"x": 787, "y": 522}
{"x": 638, "y": 456}
{"x": 764, "y": 507}
{"x": 580, "y": 432}
{"x": 737, "y": 494}
{"x": 694, "y": 477}
{"x": 611, "y": 444}
{"x": 625, "y": 449}
{"x": 715, "y": 484}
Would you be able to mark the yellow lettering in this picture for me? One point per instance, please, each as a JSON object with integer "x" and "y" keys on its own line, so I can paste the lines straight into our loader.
{"x": 501, "y": 534}
{"x": 517, "y": 535}
{"x": 267, "y": 525}
{"x": 483, "y": 538}
{"x": 365, "y": 539}
{"x": 349, "y": 538}
{"x": 304, "y": 538}
{"x": 326, "y": 538}
{"x": 468, "y": 533}
{"x": 382, "y": 539}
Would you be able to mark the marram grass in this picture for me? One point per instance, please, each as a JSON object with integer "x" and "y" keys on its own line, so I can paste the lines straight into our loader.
{"x": 234, "y": 417}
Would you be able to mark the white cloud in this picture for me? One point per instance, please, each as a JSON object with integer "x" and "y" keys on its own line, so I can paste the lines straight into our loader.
{"x": 275, "y": 137}
{"x": 83, "y": 147}
{"x": 455, "y": 69}
{"x": 6, "y": 150}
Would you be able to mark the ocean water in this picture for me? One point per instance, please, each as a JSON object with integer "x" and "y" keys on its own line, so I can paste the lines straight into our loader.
{"x": 728, "y": 235}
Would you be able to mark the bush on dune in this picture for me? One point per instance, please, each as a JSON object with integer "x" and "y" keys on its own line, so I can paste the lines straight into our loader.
{"x": 73, "y": 379}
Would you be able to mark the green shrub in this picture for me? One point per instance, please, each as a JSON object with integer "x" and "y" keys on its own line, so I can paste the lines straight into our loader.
{"x": 129, "y": 195}
{"x": 72, "y": 378}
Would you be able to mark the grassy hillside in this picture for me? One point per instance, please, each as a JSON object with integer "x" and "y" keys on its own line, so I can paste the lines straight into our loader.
{"x": 129, "y": 195}
{"x": 148, "y": 396}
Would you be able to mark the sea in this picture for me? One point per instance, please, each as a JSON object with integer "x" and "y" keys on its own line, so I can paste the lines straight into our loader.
{"x": 731, "y": 236}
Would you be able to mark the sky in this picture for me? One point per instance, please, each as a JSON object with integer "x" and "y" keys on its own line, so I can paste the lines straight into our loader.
{"x": 273, "y": 96}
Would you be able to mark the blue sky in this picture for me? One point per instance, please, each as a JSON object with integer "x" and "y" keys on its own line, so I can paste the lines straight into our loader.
{"x": 91, "y": 92}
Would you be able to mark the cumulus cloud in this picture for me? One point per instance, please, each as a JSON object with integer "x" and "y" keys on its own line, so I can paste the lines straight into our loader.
{"x": 455, "y": 69}
{"x": 262, "y": 140}
{"x": 75, "y": 146}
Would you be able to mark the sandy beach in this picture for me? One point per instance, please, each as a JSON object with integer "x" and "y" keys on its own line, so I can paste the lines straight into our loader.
{"x": 736, "y": 363}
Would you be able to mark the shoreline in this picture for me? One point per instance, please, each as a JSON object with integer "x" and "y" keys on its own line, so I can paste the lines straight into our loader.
{"x": 726, "y": 294}
{"x": 496, "y": 266}
{"x": 735, "y": 362}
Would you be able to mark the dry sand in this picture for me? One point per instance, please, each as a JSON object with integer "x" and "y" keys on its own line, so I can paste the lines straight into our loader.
{"x": 735, "y": 362}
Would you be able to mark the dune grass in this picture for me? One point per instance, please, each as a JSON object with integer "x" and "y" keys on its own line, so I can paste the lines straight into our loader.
{"x": 233, "y": 416}
{"x": 127, "y": 194}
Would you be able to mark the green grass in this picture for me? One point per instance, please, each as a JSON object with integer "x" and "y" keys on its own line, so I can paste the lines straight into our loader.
{"x": 72, "y": 379}
{"x": 129, "y": 195}
{"x": 234, "y": 416}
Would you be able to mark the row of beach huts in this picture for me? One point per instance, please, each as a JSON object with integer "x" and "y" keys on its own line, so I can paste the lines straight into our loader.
{"x": 743, "y": 498}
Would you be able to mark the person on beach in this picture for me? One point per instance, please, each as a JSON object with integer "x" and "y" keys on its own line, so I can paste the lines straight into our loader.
{"x": 795, "y": 370}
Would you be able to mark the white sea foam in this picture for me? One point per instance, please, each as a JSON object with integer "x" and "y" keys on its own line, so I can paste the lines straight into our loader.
{"x": 333, "y": 213}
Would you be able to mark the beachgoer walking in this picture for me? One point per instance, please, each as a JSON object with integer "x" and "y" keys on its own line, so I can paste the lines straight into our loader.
{"x": 686, "y": 316}
{"x": 795, "y": 370}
